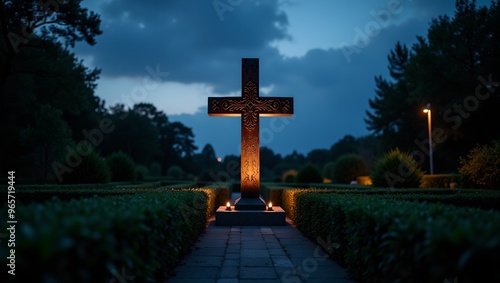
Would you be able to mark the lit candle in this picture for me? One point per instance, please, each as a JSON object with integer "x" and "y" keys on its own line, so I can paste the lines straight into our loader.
{"x": 270, "y": 206}
{"x": 228, "y": 206}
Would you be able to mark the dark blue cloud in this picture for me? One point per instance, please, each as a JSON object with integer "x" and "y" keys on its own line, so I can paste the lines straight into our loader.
{"x": 188, "y": 39}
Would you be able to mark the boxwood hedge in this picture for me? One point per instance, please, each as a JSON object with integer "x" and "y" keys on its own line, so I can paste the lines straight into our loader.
{"x": 388, "y": 240}
{"x": 96, "y": 239}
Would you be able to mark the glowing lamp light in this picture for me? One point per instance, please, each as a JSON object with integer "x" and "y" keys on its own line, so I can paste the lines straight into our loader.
{"x": 426, "y": 110}
{"x": 219, "y": 159}
{"x": 228, "y": 206}
{"x": 270, "y": 206}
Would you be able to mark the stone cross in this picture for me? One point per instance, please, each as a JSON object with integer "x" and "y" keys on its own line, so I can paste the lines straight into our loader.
{"x": 250, "y": 106}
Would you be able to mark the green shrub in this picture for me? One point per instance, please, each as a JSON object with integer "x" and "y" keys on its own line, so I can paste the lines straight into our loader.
{"x": 397, "y": 169}
{"x": 122, "y": 167}
{"x": 309, "y": 173}
{"x": 142, "y": 172}
{"x": 155, "y": 169}
{"x": 90, "y": 240}
{"x": 440, "y": 180}
{"x": 348, "y": 167}
{"x": 289, "y": 176}
{"x": 482, "y": 166}
{"x": 91, "y": 167}
{"x": 385, "y": 240}
{"x": 328, "y": 170}
{"x": 175, "y": 172}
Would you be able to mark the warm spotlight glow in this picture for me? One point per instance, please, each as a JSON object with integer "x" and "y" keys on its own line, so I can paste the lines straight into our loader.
{"x": 228, "y": 206}
{"x": 426, "y": 110}
{"x": 219, "y": 159}
{"x": 270, "y": 206}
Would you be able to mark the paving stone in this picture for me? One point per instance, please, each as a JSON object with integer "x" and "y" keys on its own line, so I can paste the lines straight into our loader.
{"x": 231, "y": 262}
{"x": 256, "y": 262}
{"x": 281, "y": 261}
{"x": 266, "y": 254}
{"x": 211, "y": 251}
{"x": 258, "y": 273}
{"x": 255, "y": 253}
{"x": 229, "y": 272}
{"x": 276, "y": 252}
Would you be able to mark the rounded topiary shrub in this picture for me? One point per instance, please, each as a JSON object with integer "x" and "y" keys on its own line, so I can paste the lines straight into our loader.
{"x": 289, "y": 176}
{"x": 142, "y": 172}
{"x": 328, "y": 170}
{"x": 482, "y": 166}
{"x": 348, "y": 167}
{"x": 175, "y": 172}
{"x": 122, "y": 167}
{"x": 309, "y": 173}
{"x": 397, "y": 169}
{"x": 87, "y": 166}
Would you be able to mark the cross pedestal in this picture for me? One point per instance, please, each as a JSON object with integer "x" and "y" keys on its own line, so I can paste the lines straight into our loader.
{"x": 250, "y": 107}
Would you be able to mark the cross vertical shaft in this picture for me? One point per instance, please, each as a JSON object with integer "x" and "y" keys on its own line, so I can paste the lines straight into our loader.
{"x": 250, "y": 106}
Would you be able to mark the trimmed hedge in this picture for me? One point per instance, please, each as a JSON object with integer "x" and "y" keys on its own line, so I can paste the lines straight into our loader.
{"x": 27, "y": 194}
{"x": 385, "y": 240}
{"x": 91, "y": 239}
{"x": 440, "y": 180}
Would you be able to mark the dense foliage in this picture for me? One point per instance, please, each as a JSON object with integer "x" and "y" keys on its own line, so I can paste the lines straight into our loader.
{"x": 146, "y": 234}
{"x": 482, "y": 166}
{"x": 309, "y": 173}
{"x": 397, "y": 169}
{"x": 348, "y": 167}
{"x": 122, "y": 167}
{"x": 454, "y": 68}
{"x": 87, "y": 167}
{"x": 384, "y": 240}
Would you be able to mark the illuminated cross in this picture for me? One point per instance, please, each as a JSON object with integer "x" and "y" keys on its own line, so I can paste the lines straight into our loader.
{"x": 250, "y": 106}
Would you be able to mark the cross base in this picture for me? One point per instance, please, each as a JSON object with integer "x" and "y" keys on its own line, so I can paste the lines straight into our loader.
{"x": 276, "y": 217}
{"x": 249, "y": 204}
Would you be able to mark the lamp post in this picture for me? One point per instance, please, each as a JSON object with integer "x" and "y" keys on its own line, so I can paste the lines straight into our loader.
{"x": 429, "y": 128}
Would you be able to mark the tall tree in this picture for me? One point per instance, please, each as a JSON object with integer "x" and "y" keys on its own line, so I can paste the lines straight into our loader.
{"x": 45, "y": 141}
{"x": 37, "y": 68}
{"x": 61, "y": 20}
{"x": 347, "y": 144}
{"x": 133, "y": 134}
{"x": 455, "y": 68}
{"x": 394, "y": 114}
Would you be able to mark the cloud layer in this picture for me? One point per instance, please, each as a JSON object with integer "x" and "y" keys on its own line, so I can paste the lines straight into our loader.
{"x": 201, "y": 43}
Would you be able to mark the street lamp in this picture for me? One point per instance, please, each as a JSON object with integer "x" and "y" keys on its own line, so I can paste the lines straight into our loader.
{"x": 429, "y": 128}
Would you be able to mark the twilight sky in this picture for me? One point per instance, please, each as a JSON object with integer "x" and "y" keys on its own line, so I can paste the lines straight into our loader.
{"x": 323, "y": 53}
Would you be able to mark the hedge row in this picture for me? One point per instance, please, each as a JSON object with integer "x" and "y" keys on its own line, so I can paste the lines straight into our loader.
{"x": 385, "y": 240}
{"x": 484, "y": 199}
{"x": 96, "y": 239}
{"x": 28, "y": 194}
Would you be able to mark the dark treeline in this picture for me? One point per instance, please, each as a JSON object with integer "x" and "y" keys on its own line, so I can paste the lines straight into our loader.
{"x": 455, "y": 69}
{"x": 48, "y": 105}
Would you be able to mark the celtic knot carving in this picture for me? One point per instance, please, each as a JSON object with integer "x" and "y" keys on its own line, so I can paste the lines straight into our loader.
{"x": 251, "y": 105}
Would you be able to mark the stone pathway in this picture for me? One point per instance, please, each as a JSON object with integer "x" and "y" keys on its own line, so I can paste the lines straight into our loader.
{"x": 264, "y": 254}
